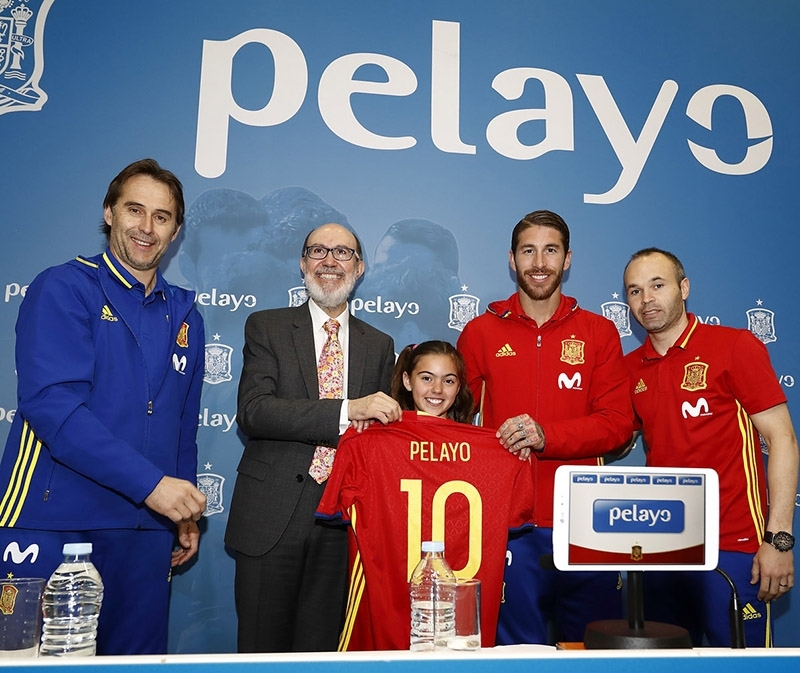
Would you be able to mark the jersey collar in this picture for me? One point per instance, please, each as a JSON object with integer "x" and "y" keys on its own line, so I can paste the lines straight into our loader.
{"x": 125, "y": 278}
{"x": 512, "y": 308}
{"x": 682, "y": 342}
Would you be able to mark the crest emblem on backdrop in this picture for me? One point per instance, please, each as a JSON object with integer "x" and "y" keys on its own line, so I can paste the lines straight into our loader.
{"x": 211, "y": 487}
{"x": 298, "y": 295}
{"x": 620, "y": 314}
{"x": 22, "y": 54}
{"x": 761, "y": 322}
{"x": 463, "y": 308}
{"x": 217, "y": 363}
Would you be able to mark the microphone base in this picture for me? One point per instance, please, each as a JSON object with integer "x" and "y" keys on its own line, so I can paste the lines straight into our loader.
{"x": 618, "y": 634}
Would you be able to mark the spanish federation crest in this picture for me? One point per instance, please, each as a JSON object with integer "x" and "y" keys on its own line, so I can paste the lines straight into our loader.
{"x": 183, "y": 336}
{"x": 620, "y": 314}
{"x": 22, "y": 54}
{"x": 463, "y": 308}
{"x": 636, "y": 552}
{"x": 572, "y": 351}
{"x": 694, "y": 376}
{"x": 761, "y": 322}
{"x": 218, "y": 363}
{"x": 297, "y": 295}
{"x": 211, "y": 487}
{"x": 8, "y": 597}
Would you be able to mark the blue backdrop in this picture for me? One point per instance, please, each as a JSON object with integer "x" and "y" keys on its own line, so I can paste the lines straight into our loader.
{"x": 428, "y": 127}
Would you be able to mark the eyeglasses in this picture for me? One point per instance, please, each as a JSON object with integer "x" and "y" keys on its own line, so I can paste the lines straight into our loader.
{"x": 340, "y": 253}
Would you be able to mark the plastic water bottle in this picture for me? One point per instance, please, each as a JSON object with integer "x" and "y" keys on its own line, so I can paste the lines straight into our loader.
{"x": 71, "y": 605}
{"x": 432, "y": 592}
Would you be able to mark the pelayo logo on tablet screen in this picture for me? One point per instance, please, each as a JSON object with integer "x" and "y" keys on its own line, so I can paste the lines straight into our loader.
{"x": 638, "y": 516}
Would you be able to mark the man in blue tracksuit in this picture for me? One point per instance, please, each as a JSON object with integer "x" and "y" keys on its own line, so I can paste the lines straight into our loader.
{"x": 102, "y": 449}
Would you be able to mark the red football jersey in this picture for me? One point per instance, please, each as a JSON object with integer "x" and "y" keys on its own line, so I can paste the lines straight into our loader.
{"x": 693, "y": 405}
{"x": 422, "y": 478}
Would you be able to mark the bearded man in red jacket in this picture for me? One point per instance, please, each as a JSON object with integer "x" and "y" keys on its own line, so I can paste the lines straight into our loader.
{"x": 553, "y": 382}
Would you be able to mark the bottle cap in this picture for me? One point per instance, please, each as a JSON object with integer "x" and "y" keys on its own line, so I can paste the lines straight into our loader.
{"x": 77, "y": 548}
{"x": 432, "y": 546}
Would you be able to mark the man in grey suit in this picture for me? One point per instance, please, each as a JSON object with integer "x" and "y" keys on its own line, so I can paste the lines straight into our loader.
{"x": 291, "y": 571}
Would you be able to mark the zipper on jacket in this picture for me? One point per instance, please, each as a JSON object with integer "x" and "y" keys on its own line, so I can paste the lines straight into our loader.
{"x": 149, "y": 407}
{"x": 535, "y": 414}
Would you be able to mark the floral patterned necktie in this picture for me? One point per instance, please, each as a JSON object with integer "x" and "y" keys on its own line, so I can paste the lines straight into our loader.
{"x": 330, "y": 372}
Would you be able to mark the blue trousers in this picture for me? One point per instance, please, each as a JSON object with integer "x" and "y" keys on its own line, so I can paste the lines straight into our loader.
{"x": 699, "y": 602}
{"x": 543, "y": 605}
{"x": 134, "y": 566}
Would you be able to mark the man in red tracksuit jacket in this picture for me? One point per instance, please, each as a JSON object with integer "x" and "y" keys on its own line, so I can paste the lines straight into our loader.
{"x": 552, "y": 380}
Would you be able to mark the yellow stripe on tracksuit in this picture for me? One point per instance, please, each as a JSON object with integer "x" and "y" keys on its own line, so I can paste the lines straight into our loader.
{"x": 21, "y": 475}
{"x": 751, "y": 471}
{"x": 768, "y": 634}
{"x": 752, "y": 475}
{"x": 113, "y": 270}
{"x": 355, "y": 593}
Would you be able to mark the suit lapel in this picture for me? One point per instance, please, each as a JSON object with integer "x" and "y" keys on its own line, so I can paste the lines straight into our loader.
{"x": 356, "y": 359}
{"x": 303, "y": 336}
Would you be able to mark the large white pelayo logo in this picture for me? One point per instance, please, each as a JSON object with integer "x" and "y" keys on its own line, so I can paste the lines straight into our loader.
{"x": 339, "y": 84}
{"x": 22, "y": 54}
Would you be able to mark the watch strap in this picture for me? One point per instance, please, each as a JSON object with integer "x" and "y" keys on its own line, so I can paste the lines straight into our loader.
{"x": 785, "y": 541}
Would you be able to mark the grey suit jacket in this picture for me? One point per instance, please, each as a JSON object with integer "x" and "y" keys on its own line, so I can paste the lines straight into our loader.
{"x": 280, "y": 412}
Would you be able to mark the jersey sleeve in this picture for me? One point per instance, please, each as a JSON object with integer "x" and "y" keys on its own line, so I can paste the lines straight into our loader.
{"x": 343, "y": 485}
{"x": 608, "y": 422}
{"x": 187, "y": 449}
{"x": 56, "y": 364}
{"x": 753, "y": 381}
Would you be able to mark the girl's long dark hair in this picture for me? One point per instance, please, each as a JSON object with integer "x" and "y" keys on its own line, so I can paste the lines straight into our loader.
{"x": 463, "y": 405}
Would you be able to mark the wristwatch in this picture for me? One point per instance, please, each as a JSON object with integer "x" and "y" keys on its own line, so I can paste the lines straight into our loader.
{"x": 782, "y": 541}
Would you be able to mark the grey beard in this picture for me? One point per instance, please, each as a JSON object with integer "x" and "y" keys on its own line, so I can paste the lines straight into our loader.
{"x": 330, "y": 299}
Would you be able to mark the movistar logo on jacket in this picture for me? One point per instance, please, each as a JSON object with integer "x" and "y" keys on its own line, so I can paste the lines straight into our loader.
{"x": 570, "y": 382}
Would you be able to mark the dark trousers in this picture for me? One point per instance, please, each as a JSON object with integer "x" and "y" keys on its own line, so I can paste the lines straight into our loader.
{"x": 699, "y": 601}
{"x": 544, "y": 605}
{"x": 292, "y": 599}
{"x": 134, "y": 566}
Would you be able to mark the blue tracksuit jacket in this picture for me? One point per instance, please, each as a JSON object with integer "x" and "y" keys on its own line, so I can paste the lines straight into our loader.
{"x": 108, "y": 401}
